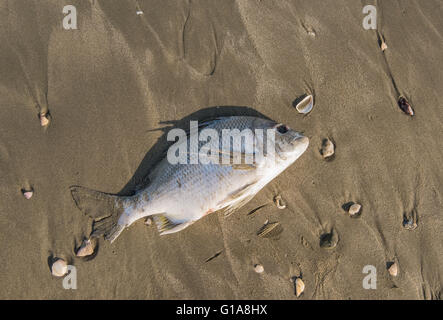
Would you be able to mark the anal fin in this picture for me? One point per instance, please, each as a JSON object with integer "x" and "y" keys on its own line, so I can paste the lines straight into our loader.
{"x": 166, "y": 226}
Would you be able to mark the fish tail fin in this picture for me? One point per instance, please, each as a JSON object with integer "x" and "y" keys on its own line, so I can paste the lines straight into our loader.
{"x": 105, "y": 209}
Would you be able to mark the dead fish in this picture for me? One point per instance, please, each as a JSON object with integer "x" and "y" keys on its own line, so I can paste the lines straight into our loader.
{"x": 180, "y": 194}
{"x": 405, "y": 106}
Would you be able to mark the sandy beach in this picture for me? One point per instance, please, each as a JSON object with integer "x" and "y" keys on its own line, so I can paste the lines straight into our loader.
{"x": 115, "y": 85}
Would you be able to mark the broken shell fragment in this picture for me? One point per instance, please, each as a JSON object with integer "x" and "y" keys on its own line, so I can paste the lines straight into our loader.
{"x": 44, "y": 119}
{"x": 259, "y": 268}
{"x": 299, "y": 287}
{"x": 86, "y": 249}
{"x": 329, "y": 240}
{"x": 409, "y": 224}
{"x": 405, "y": 106}
{"x": 305, "y": 105}
{"x": 354, "y": 209}
{"x": 383, "y": 46}
{"x": 59, "y": 268}
{"x": 279, "y": 202}
{"x": 270, "y": 230}
{"x": 28, "y": 194}
{"x": 328, "y": 148}
{"x": 393, "y": 269}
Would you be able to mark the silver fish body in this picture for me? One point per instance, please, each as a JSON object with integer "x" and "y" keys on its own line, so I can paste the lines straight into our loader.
{"x": 182, "y": 193}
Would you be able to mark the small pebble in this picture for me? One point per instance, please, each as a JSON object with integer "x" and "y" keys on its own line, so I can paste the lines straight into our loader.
{"x": 393, "y": 269}
{"x": 148, "y": 221}
{"x": 86, "y": 249}
{"x": 383, "y": 46}
{"x": 259, "y": 268}
{"x": 299, "y": 287}
{"x": 279, "y": 202}
{"x": 59, "y": 268}
{"x": 354, "y": 209}
{"x": 139, "y": 12}
{"x": 328, "y": 148}
{"x": 28, "y": 194}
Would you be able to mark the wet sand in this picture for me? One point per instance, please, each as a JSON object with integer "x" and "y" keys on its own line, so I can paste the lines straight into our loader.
{"x": 120, "y": 76}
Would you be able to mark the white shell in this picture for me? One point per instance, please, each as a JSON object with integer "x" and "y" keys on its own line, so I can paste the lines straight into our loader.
{"x": 393, "y": 269}
{"x": 28, "y": 194}
{"x": 86, "y": 249}
{"x": 299, "y": 287}
{"x": 44, "y": 120}
{"x": 306, "y": 105}
{"x": 139, "y": 12}
{"x": 328, "y": 148}
{"x": 259, "y": 268}
{"x": 59, "y": 268}
{"x": 354, "y": 209}
{"x": 383, "y": 46}
{"x": 279, "y": 202}
{"x": 148, "y": 221}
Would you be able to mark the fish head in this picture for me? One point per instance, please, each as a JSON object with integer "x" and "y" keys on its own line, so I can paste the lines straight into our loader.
{"x": 289, "y": 144}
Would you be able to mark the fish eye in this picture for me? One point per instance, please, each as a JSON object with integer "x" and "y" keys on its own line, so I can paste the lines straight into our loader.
{"x": 282, "y": 129}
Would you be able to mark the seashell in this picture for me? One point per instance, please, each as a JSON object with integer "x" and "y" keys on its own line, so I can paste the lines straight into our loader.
{"x": 329, "y": 240}
{"x": 148, "y": 221}
{"x": 44, "y": 119}
{"x": 305, "y": 105}
{"x": 405, "y": 106}
{"x": 139, "y": 12}
{"x": 28, "y": 194}
{"x": 409, "y": 224}
{"x": 354, "y": 209}
{"x": 299, "y": 287}
{"x": 279, "y": 202}
{"x": 270, "y": 230}
{"x": 393, "y": 269}
{"x": 59, "y": 268}
{"x": 383, "y": 46}
{"x": 328, "y": 148}
{"x": 86, "y": 249}
{"x": 259, "y": 268}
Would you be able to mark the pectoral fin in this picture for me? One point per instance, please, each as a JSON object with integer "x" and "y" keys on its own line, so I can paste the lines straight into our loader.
{"x": 239, "y": 198}
{"x": 166, "y": 226}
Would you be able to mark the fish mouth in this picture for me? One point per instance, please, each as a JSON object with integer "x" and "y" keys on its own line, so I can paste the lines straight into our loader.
{"x": 300, "y": 139}
{"x": 301, "y": 143}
